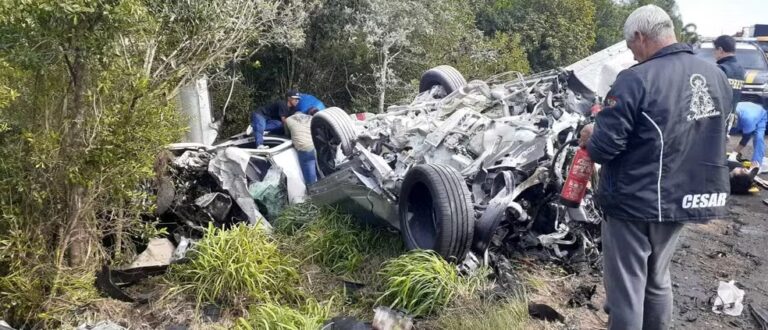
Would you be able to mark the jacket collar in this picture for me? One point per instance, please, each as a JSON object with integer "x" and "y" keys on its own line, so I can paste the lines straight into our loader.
{"x": 672, "y": 49}
{"x": 729, "y": 58}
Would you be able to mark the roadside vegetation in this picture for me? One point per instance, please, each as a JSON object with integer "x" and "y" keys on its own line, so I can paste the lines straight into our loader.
{"x": 88, "y": 98}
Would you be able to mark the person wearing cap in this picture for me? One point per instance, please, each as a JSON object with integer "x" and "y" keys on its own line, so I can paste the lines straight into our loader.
{"x": 751, "y": 121}
{"x": 272, "y": 117}
{"x": 309, "y": 104}
{"x": 298, "y": 126}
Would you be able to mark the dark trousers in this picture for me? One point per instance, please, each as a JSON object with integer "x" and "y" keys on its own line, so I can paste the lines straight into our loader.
{"x": 260, "y": 123}
{"x": 636, "y": 258}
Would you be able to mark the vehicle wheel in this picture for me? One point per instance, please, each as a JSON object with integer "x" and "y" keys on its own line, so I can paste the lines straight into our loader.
{"x": 436, "y": 211}
{"x": 331, "y": 128}
{"x": 445, "y": 75}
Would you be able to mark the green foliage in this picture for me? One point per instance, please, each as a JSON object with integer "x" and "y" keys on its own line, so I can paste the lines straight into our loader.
{"x": 554, "y": 33}
{"x": 511, "y": 315}
{"x": 336, "y": 241}
{"x": 295, "y": 217}
{"x": 268, "y": 316}
{"x": 236, "y": 266}
{"x": 609, "y": 22}
{"x": 423, "y": 283}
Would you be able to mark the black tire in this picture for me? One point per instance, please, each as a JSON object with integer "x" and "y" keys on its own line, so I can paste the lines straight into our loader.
{"x": 436, "y": 211}
{"x": 444, "y": 75}
{"x": 331, "y": 128}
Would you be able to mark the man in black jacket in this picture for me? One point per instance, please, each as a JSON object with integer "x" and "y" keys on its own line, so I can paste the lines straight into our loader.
{"x": 661, "y": 141}
{"x": 725, "y": 54}
{"x": 272, "y": 117}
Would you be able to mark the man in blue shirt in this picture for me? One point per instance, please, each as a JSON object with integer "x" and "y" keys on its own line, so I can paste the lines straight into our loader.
{"x": 751, "y": 123}
{"x": 309, "y": 104}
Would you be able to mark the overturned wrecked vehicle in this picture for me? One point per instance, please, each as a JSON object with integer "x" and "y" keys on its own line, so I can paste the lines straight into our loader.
{"x": 465, "y": 166}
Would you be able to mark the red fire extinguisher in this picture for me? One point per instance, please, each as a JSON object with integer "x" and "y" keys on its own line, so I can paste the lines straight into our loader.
{"x": 578, "y": 178}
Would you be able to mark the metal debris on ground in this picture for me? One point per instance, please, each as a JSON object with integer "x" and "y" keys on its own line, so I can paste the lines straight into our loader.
{"x": 385, "y": 318}
{"x": 545, "y": 312}
{"x": 159, "y": 252}
{"x": 345, "y": 323}
{"x": 760, "y": 315}
{"x": 5, "y": 326}
{"x": 103, "y": 325}
{"x": 729, "y": 299}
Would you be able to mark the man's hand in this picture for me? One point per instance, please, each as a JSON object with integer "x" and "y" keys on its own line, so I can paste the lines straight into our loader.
{"x": 585, "y": 134}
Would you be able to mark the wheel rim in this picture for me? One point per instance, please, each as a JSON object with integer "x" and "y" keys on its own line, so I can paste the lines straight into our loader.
{"x": 326, "y": 144}
{"x": 421, "y": 218}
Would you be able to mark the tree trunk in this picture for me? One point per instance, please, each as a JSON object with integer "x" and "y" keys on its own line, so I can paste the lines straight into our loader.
{"x": 383, "y": 80}
{"x": 72, "y": 145}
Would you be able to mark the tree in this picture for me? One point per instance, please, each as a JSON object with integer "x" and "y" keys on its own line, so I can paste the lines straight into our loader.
{"x": 554, "y": 33}
{"x": 92, "y": 106}
{"x": 609, "y": 22}
{"x": 386, "y": 27}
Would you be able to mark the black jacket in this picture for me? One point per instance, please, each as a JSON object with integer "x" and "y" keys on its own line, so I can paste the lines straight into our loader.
{"x": 735, "y": 74}
{"x": 661, "y": 140}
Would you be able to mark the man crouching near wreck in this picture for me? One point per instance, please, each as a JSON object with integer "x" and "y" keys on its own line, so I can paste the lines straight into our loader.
{"x": 661, "y": 141}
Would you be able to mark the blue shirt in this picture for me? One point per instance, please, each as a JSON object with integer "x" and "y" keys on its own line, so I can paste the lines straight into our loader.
{"x": 307, "y": 101}
{"x": 752, "y": 121}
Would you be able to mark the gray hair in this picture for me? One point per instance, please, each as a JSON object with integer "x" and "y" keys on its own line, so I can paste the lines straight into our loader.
{"x": 651, "y": 21}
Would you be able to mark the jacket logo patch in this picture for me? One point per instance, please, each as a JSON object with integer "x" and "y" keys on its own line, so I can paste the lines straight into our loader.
{"x": 700, "y": 201}
{"x": 702, "y": 105}
{"x": 610, "y": 102}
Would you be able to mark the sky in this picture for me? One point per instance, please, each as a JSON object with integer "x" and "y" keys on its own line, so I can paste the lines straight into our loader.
{"x": 716, "y": 17}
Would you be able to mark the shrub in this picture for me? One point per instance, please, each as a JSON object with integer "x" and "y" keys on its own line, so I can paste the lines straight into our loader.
{"x": 238, "y": 265}
{"x": 422, "y": 283}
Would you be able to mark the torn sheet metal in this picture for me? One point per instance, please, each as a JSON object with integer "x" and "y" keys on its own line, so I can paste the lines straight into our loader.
{"x": 229, "y": 168}
{"x": 216, "y": 205}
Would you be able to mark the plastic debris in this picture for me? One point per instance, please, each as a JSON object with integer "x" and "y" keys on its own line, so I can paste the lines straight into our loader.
{"x": 729, "y": 299}
{"x": 271, "y": 192}
{"x": 158, "y": 253}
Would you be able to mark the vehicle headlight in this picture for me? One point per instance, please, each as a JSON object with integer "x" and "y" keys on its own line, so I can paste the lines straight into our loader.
{"x": 765, "y": 87}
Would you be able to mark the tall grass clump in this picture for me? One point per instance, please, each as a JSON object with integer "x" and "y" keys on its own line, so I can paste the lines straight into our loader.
{"x": 242, "y": 264}
{"x": 423, "y": 283}
{"x": 511, "y": 314}
{"x": 268, "y": 316}
{"x": 340, "y": 243}
{"x": 295, "y": 217}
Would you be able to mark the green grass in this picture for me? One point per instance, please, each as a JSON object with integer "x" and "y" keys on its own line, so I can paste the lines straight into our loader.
{"x": 512, "y": 314}
{"x": 337, "y": 242}
{"x": 296, "y": 217}
{"x": 423, "y": 283}
{"x": 237, "y": 266}
{"x": 268, "y": 316}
